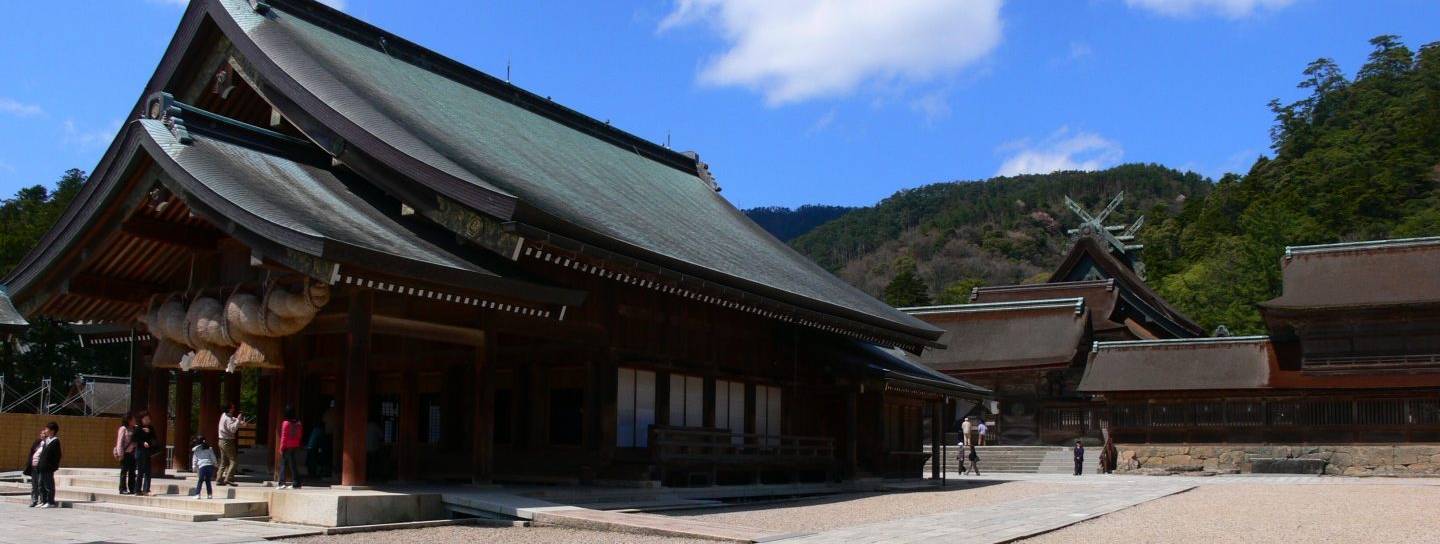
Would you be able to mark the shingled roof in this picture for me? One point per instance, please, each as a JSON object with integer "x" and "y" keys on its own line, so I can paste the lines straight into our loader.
{"x": 1373, "y": 274}
{"x": 1135, "y": 291}
{"x": 1007, "y": 335}
{"x": 1100, "y": 297}
{"x": 1179, "y": 365}
{"x": 519, "y": 157}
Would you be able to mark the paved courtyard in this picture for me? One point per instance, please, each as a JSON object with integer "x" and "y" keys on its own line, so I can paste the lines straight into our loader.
{"x": 1002, "y": 508}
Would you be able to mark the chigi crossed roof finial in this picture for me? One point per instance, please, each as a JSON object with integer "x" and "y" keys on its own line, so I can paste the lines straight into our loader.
{"x": 1119, "y": 237}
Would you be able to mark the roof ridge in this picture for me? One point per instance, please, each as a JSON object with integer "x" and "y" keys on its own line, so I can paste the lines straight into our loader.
{"x": 1181, "y": 341}
{"x": 1393, "y": 243}
{"x": 1076, "y": 302}
{"x": 396, "y": 46}
{"x": 1058, "y": 285}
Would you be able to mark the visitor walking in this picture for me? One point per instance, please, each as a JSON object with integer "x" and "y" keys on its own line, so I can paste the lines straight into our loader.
{"x": 980, "y": 429}
{"x": 290, "y": 433}
{"x": 144, "y": 442}
{"x": 29, "y": 471}
{"x": 44, "y": 461}
{"x": 125, "y": 452}
{"x": 229, "y": 432}
{"x": 202, "y": 462}
{"x": 965, "y": 432}
{"x": 1109, "y": 457}
{"x": 1079, "y": 458}
{"x": 974, "y": 461}
{"x": 316, "y": 449}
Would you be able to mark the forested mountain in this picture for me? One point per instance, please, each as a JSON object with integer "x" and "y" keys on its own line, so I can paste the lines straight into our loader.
{"x": 1355, "y": 160}
{"x": 997, "y": 231}
{"x": 786, "y": 223}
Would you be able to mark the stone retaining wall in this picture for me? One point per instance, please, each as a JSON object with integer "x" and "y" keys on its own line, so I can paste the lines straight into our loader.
{"x": 1347, "y": 460}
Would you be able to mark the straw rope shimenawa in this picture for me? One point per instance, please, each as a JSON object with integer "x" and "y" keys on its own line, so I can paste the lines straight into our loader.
{"x": 245, "y": 331}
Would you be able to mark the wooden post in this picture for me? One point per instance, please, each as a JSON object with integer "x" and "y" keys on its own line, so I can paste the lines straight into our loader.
{"x": 935, "y": 438}
{"x": 483, "y": 446}
{"x": 851, "y": 448}
{"x": 159, "y": 407}
{"x": 184, "y": 390}
{"x": 276, "y": 411}
{"x": 232, "y": 388}
{"x": 408, "y": 431}
{"x": 140, "y": 372}
{"x": 261, "y": 417}
{"x": 357, "y": 387}
{"x": 209, "y": 407}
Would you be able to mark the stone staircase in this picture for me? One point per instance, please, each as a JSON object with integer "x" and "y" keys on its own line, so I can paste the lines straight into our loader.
{"x": 96, "y": 490}
{"x": 1025, "y": 459}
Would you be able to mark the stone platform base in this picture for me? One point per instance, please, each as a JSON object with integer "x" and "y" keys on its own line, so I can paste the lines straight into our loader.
{"x": 342, "y": 508}
{"x": 1346, "y": 460}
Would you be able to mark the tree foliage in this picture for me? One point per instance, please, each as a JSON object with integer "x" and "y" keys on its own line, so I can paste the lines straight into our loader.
{"x": 907, "y": 289}
{"x": 785, "y": 223}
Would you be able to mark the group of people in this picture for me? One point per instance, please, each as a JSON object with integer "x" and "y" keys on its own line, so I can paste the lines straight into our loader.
{"x": 44, "y": 461}
{"x": 1108, "y": 457}
{"x": 970, "y": 440}
{"x": 136, "y": 442}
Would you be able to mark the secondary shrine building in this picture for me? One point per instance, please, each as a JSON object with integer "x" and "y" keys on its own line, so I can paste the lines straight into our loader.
{"x": 459, "y": 279}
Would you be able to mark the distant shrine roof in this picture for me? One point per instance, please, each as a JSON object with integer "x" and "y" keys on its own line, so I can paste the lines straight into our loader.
{"x": 1238, "y": 362}
{"x": 1353, "y": 275}
{"x": 1007, "y": 335}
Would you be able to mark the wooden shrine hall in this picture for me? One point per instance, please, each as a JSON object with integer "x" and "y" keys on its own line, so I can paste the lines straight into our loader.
{"x": 460, "y": 280}
{"x": 1358, "y": 363}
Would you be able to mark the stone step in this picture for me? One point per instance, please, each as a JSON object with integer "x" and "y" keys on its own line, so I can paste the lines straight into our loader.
{"x": 146, "y": 511}
{"x": 169, "y": 486}
{"x": 228, "y": 508}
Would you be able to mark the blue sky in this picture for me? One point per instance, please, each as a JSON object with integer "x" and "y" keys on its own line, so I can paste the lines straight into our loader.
{"x": 791, "y": 102}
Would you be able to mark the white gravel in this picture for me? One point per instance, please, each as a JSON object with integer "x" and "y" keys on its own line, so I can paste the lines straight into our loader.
{"x": 825, "y": 513}
{"x": 508, "y": 535}
{"x": 1243, "y": 513}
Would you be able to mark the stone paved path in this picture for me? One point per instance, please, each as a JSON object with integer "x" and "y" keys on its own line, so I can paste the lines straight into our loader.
{"x": 1005, "y": 521}
{"x": 22, "y": 525}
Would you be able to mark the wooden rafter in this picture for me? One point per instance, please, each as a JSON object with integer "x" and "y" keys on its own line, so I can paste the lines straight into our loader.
{"x": 103, "y": 288}
{"x": 199, "y": 239}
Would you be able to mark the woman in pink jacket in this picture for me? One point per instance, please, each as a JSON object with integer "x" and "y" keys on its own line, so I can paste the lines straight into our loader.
{"x": 125, "y": 453}
{"x": 290, "y": 433}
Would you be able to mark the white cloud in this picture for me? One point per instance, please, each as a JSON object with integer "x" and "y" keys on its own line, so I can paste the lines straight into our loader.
{"x": 822, "y": 124}
{"x": 1234, "y": 9}
{"x": 932, "y": 106}
{"x": 803, "y": 49}
{"x": 1061, "y": 150}
{"x": 74, "y": 135}
{"x": 17, "y": 108}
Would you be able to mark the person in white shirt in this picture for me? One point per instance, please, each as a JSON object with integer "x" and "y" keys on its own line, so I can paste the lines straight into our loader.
{"x": 965, "y": 432}
{"x": 230, "y": 423}
{"x": 202, "y": 461}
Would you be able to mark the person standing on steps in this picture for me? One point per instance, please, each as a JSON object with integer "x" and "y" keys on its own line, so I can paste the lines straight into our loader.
{"x": 125, "y": 452}
{"x": 974, "y": 460}
{"x": 202, "y": 462}
{"x": 965, "y": 432}
{"x": 45, "y": 460}
{"x": 1079, "y": 458}
{"x": 229, "y": 431}
{"x": 32, "y": 459}
{"x": 290, "y": 433}
{"x": 980, "y": 429}
{"x": 144, "y": 441}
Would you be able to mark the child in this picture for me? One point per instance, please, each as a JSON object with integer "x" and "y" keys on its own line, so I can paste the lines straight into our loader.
{"x": 202, "y": 461}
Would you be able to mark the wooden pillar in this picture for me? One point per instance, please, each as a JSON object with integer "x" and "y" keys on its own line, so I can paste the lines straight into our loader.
{"x": 408, "y": 431}
{"x": 140, "y": 372}
{"x": 936, "y": 418}
{"x": 483, "y": 446}
{"x": 357, "y": 387}
{"x": 209, "y": 407}
{"x": 851, "y": 447}
{"x": 232, "y": 388}
{"x": 183, "y": 391}
{"x": 159, "y": 408}
{"x": 276, "y": 408}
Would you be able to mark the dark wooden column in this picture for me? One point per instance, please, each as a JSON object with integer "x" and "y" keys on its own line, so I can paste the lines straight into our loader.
{"x": 851, "y": 447}
{"x": 209, "y": 406}
{"x": 261, "y": 417}
{"x": 408, "y": 431}
{"x": 184, "y": 390}
{"x": 483, "y": 446}
{"x": 159, "y": 407}
{"x": 232, "y": 388}
{"x": 357, "y": 387}
{"x": 936, "y": 425}
{"x": 140, "y": 372}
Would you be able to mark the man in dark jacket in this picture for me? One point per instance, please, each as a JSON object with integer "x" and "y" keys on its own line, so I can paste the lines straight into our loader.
{"x": 30, "y": 460}
{"x": 44, "y": 461}
{"x": 1079, "y": 458}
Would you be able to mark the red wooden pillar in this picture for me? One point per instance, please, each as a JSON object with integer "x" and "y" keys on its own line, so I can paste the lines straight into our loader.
{"x": 209, "y": 407}
{"x": 357, "y": 387}
{"x": 483, "y": 447}
{"x": 183, "y": 402}
{"x": 159, "y": 408}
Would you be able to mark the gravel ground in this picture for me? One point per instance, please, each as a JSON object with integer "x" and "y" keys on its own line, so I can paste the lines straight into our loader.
{"x": 511, "y": 535}
{"x": 1270, "y": 513}
{"x": 826, "y": 513}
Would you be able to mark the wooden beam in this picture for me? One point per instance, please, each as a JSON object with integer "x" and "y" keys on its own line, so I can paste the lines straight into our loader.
{"x": 175, "y": 234}
{"x": 103, "y": 288}
{"x": 402, "y": 327}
